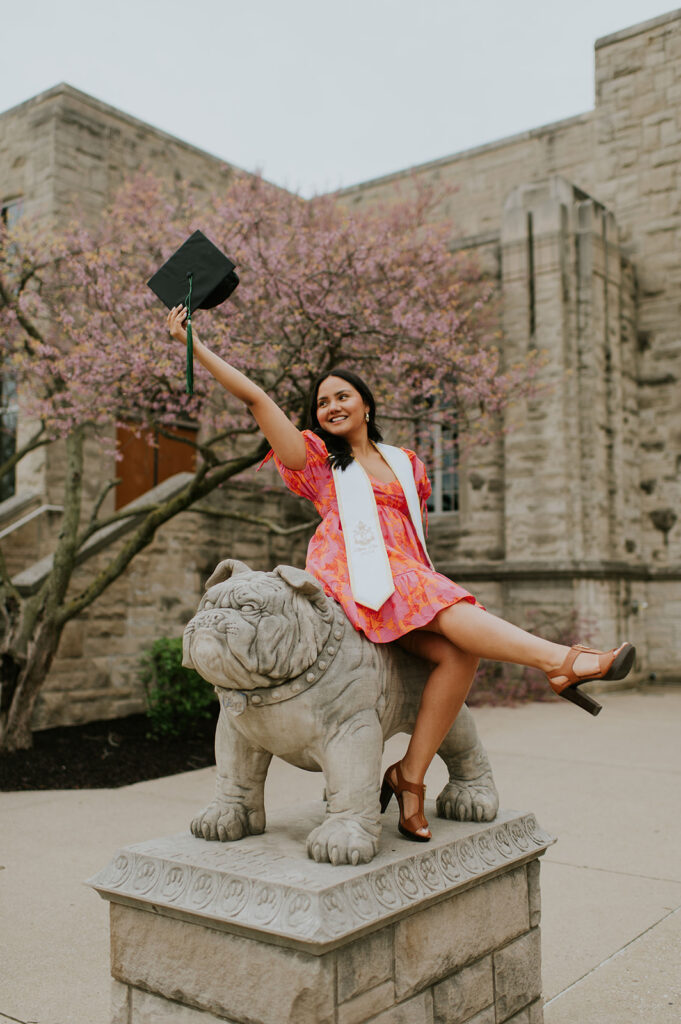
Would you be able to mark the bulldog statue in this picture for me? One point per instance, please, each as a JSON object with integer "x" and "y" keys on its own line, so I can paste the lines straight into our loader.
{"x": 297, "y": 680}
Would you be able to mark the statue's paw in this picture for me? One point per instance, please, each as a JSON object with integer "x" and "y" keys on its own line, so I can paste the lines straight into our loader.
{"x": 342, "y": 841}
{"x": 469, "y": 800}
{"x": 228, "y": 822}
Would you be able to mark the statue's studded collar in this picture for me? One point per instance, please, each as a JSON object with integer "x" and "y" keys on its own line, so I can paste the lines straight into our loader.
{"x": 236, "y": 701}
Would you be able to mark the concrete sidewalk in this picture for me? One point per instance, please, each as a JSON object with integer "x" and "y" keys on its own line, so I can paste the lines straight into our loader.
{"x": 608, "y": 788}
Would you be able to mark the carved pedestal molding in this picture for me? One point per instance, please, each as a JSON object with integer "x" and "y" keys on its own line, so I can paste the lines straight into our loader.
{"x": 255, "y": 931}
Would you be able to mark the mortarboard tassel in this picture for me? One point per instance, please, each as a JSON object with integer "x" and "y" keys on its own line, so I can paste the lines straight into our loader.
{"x": 209, "y": 276}
{"x": 190, "y": 341}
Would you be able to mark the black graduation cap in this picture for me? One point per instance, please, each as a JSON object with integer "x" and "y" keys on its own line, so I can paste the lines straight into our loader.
{"x": 197, "y": 276}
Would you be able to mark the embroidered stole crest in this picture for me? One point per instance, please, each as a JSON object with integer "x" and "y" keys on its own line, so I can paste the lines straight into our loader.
{"x": 371, "y": 577}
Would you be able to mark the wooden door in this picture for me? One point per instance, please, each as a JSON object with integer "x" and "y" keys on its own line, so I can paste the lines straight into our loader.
{"x": 143, "y": 464}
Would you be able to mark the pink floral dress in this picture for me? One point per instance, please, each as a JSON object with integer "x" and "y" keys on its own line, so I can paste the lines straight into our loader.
{"x": 420, "y": 592}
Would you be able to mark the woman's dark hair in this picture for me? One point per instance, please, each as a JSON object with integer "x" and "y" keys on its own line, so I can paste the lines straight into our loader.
{"x": 340, "y": 453}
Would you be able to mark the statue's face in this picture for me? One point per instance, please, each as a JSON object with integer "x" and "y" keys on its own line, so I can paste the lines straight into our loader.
{"x": 254, "y": 630}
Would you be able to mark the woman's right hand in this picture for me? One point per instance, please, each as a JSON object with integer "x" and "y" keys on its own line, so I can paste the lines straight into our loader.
{"x": 175, "y": 323}
{"x": 287, "y": 441}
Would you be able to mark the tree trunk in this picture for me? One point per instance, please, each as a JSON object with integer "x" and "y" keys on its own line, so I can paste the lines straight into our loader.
{"x": 30, "y": 628}
{"x": 33, "y": 628}
{"x": 22, "y": 681}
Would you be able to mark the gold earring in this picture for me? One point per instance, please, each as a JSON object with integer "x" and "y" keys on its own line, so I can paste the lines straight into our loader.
{"x": 366, "y": 417}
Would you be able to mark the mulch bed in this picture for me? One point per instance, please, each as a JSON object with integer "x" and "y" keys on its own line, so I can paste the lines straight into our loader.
{"x": 104, "y": 755}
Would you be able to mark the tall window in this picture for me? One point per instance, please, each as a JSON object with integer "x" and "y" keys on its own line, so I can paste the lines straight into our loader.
{"x": 8, "y": 433}
{"x": 10, "y": 211}
{"x": 438, "y": 447}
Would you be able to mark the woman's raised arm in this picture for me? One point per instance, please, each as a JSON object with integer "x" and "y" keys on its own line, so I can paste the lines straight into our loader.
{"x": 286, "y": 440}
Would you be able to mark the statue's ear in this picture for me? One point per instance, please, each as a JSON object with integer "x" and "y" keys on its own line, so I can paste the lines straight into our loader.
{"x": 227, "y": 568}
{"x": 299, "y": 580}
{"x": 186, "y": 656}
{"x": 307, "y": 586}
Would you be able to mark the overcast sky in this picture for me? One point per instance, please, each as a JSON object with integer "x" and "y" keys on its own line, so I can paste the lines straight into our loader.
{"x": 313, "y": 93}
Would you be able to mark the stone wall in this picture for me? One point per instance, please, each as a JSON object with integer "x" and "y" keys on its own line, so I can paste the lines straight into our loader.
{"x": 577, "y": 506}
{"x": 65, "y": 151}
{"x": 95, "y": 672}
{"x": 638, "y": 150}
{"x": 478, "y": 180}
{"x": 426, "y": 970}
{"x": 590, "y": 470}
{"x": 254, "y": 932}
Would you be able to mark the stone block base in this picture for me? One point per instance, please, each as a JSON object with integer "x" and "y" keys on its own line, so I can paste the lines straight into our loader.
{"x": 254, "y": 933}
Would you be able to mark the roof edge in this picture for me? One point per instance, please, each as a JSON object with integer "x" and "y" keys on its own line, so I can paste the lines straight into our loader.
{"x": 70, "y": 91}
{"x": 638, "y": 29}
{"x": 484, "y": 147}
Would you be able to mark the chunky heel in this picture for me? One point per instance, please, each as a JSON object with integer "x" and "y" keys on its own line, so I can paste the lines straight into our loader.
{"x": 582, "y": 700}
{"x": 615, "y": 664}
{"x": 409, "y": 827}
{"x": 386, "y": 795}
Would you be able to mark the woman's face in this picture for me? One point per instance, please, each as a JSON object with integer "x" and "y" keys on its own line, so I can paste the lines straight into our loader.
{"x": 340, "y": 408}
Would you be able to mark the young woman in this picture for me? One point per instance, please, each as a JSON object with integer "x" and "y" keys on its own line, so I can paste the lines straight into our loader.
{"x": 428, "y": 614}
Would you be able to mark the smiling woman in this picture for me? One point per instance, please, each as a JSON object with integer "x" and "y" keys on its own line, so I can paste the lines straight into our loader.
{"x": 369, "y": 552}
{"x": 342, "y": 409}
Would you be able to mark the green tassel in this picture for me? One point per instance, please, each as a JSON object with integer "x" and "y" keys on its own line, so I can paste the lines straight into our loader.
{"x": 190, "y": 358}
{"x": 190, "y": 342}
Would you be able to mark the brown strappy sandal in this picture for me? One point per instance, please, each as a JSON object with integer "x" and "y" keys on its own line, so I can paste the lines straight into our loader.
{"x": 615, "y": 664}
{"x": 407, "y": 826}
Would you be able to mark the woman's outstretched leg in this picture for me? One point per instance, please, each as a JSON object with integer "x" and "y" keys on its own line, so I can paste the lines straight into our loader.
{"x": 484, "y": 635}
{"x": 453, "y": 642}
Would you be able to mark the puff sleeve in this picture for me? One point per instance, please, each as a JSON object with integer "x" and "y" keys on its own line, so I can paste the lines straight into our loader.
{"x": 310, "y": 481}
{"x": 423, "y": 485}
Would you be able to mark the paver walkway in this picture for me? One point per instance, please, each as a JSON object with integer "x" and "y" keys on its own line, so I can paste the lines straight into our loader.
{"x": 608, "y": 788}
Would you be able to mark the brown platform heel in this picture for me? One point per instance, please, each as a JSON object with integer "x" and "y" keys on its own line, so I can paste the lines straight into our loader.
{"x": 615, "y": 664}
{"x": 407, "y": 826}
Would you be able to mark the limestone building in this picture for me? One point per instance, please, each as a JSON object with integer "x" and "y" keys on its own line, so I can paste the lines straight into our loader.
{"x": 577, "y": 507}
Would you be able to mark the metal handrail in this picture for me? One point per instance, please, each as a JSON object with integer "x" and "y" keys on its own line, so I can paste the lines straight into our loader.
{"x": 28, "y": 517}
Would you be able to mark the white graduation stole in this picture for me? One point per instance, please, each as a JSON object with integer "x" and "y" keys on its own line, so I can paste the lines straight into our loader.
{"x": 371, "y": 578}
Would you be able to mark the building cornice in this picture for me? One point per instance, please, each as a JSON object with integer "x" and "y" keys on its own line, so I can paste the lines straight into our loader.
{"x": 69, "y": 92}
{"x": 463, "y": 154}
{"x": 639, "y": 29}
{"x": 559, "y": 570}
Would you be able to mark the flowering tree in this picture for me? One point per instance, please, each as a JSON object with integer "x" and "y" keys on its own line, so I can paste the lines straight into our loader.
{"x": 82, "y": 339}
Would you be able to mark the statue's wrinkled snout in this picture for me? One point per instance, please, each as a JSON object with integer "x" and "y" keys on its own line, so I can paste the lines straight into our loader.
{"x": 205, "y": 652}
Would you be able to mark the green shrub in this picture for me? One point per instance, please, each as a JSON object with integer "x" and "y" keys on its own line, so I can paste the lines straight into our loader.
{"x": 177, "y": 698}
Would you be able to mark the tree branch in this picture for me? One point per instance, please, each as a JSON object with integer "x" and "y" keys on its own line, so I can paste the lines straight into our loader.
{"x": 95, "y": 525}
{"x": 199, "y": 487}
{"x": 27, "y": 325}
{"x": 243, "y": 517}
{"x": 107, "y": 486}
{"x": 64, "y": 558}
{"x": 35, "y": 442}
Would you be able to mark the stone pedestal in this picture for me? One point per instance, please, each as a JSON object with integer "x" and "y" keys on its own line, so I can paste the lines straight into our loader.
{"x": 255, "y": 933}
